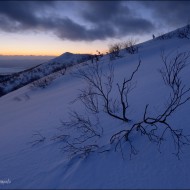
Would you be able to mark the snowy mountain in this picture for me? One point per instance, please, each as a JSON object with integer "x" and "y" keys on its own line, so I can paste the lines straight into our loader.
{"x": 14, "y": 81}
{"x": 69, "y": 58}
{"x": 49, "y": 138}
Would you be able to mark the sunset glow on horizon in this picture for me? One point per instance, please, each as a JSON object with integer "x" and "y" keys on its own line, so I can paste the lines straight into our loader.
{"x": 44, "y": 45}
{"x": 50, "y": 28}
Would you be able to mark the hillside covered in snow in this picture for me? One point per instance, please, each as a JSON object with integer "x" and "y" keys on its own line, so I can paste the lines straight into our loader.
{"x": 14, "y": 81}
{"x": 114, "y": 123}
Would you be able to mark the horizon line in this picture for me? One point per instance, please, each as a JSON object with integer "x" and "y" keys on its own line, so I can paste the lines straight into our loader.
{"x": 28, "y": 55}
{"x": 41, "y": 55}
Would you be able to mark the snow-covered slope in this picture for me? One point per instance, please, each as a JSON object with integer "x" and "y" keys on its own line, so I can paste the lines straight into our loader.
{"x": 27, "y": 111}
{"x": 17, "y": 80}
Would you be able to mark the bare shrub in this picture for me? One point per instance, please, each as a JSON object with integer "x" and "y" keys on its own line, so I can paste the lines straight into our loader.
{"x": 81, "y": 134}
{"x": 43, "y": 83}
{"x": 130, "y": 46}
{"x": 162, "y": 36}
{"x": 38, "y": 138}
{"x": 156, "y": 127}
{"x": 114, "y": 50}
{"x": 184, "y": 32}
{"x": 62, "y": 71}
{"x": 97, "y": 95}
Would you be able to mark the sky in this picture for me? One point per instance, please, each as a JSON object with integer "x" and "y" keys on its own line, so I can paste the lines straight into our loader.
{"x": 54, "y": 27}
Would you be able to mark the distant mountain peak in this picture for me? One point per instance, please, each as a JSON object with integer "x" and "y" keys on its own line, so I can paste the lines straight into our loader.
{"x": 67, "y": 53}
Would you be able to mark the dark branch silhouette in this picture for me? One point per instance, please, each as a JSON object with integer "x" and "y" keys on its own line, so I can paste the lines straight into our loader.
{"x": 156, "y": 127}
{"x": 99, "y": 89}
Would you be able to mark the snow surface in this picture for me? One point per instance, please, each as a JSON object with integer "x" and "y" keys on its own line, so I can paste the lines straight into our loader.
{"x": 45, "y": 166}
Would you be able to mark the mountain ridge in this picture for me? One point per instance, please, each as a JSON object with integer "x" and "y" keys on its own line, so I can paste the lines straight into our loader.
{"x": 17, "y": 80}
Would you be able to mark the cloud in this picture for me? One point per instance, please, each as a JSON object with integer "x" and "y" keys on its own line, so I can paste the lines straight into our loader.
{"x": 100, "y": 20}
{"x": 117, "y": 15}
{"x": 16, "y": 16}
{"x": 98, "y": 12}
{"x": 67, "y": 29}
{"x": 23, "y": 12}
{"x": 173, "y": 13}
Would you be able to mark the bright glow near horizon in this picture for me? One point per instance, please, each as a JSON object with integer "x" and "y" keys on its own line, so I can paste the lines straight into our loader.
{"x": 50, "y": 28}
{"x": 43, "y": 44}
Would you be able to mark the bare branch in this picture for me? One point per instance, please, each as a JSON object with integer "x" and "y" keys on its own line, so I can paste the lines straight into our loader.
{"x": 156, "y": 127}
{"x": 130, "y": 46}
{"x": 100, "y": 87}
{"x": 38, "y": 138}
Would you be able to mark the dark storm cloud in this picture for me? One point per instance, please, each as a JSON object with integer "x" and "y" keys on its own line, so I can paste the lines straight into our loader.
{"x": 134, "y": 26}
{"x": 22, "y": 12}
{"x": 102, "y": 19}
{"x": 170, "y": 12}
{"x": 98, "y": 12}
{"x": 67, "y": 29}
{"x": 118, "y": 16}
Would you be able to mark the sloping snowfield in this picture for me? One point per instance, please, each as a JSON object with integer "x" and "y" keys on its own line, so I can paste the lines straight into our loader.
{"x": 28, "y": 110}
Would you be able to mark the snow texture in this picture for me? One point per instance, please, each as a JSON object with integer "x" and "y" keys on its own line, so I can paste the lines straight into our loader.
{"x": 27, "y": 110}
